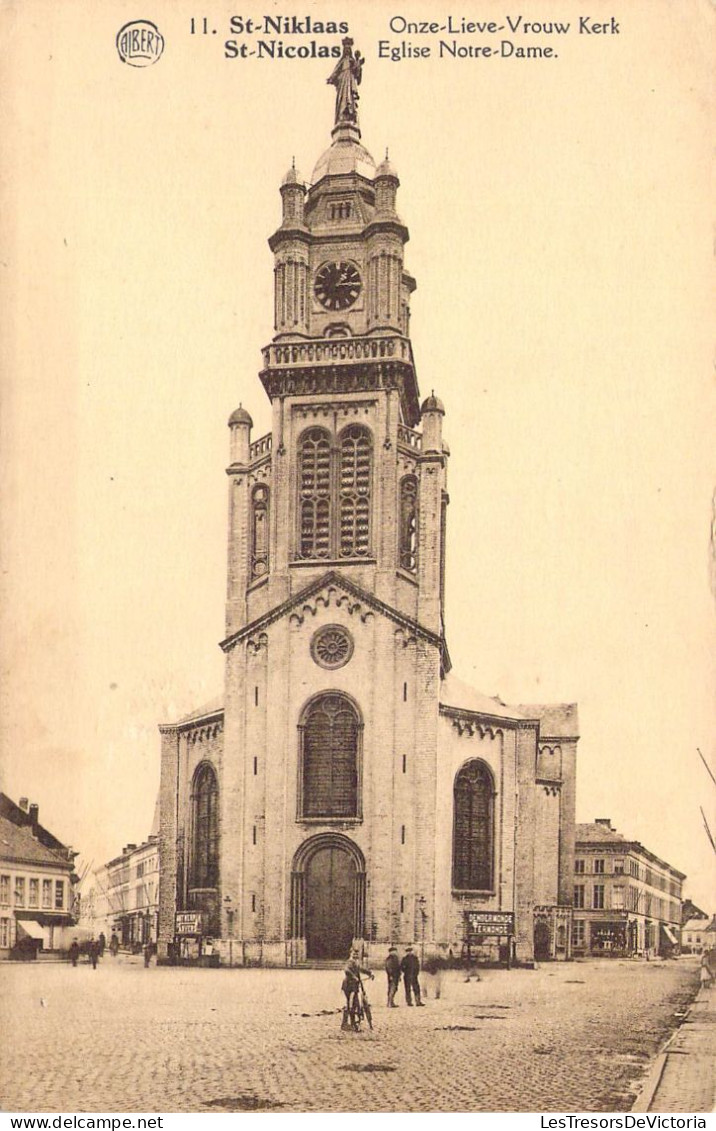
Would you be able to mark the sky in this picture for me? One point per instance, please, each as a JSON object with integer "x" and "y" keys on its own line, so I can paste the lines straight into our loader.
{"x": 560, "y": 237}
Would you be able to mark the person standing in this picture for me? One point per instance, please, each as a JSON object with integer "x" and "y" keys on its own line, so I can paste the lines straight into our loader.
{"x": 113, "y": 945}
{"x": 392, "y": 969}
{"x": 94, "y": 953}
{"x": 410, "y": 968}
{"x": 102, "y": 942}
{"x": 74, "y": 952}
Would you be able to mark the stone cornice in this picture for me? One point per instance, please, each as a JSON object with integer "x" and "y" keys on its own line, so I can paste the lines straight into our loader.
{"x": 468, "y": 716}
{"x": 335, "y": 580}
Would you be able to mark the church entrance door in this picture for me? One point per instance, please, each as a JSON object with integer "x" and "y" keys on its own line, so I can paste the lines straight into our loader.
{"x": 330, "y": 903}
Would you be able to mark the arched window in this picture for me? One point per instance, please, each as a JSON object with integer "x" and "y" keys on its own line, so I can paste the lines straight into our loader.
{"x": 205, "y": 839}
{"x": 315, "y": 494}
{"x": 259, "y": 531}
{"x": 330, "y": 735}
{"x": 334, "y": 487}
{"x": 473, "y": 829}
{"x": 355, "y": 477}
{"x": 408, "y": 519}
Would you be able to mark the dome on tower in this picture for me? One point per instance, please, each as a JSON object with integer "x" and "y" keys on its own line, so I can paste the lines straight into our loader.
{"x": 346, "y": 155}
{"x": 293, "y": 177}
{"x": 432, "y": 404}
{"x": 385, "y": 169}
{"x": 240, "y": 416}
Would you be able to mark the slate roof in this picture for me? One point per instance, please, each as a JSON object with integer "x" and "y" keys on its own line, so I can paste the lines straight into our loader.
{"x": 597, "y": 834}
{"x": 19, "y": 846}
{"x": 454, "y": 693}
{"x": 556, "y": 720}
{"x": 211, "y": 708}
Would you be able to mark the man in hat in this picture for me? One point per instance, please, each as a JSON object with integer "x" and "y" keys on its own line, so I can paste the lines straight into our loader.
{"x": 410, "y": 968}
{"x": 350, "y": 986}
{"x": 392, "y": 969}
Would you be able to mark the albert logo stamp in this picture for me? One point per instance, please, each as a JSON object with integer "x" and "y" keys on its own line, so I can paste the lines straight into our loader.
{"x": 140, "y": 43}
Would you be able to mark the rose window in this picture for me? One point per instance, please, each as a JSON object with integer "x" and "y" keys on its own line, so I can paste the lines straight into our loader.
{"x": 332, "y": 646}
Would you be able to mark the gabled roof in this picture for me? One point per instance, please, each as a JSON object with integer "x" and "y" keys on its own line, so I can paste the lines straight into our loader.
{"x": 335, "y": 580}
{"x": 19, "y": 846}
{"x": 21, "y": 817}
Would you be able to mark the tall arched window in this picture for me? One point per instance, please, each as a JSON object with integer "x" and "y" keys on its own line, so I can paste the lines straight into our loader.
{"x": 315, "y": 494}
{"x": 205, "y": 838}
{"x": 473, "y": 829}
{"x": 408, "y": 519}
{"x": 355, "y": 476}
{"x": 334, "y": 489}
{"x": 330, "y": 737}
{"x": 259, "y": 531}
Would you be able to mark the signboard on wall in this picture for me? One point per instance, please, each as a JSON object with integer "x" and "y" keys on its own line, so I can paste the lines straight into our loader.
{"x": 489, "y": 923}
{"x": 188, "y": 923}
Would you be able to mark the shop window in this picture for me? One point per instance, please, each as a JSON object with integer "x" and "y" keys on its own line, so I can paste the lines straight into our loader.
{"x": 473, "y": 828}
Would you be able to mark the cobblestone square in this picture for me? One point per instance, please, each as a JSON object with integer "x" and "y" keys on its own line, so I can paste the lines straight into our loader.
{"x": 577, "y": 1036}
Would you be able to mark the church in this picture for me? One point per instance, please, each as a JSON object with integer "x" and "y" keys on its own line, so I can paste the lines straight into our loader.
{"x": 347, "y": 787}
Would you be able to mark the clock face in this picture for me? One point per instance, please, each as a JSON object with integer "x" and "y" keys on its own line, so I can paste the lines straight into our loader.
{"x": 337, "y": 285}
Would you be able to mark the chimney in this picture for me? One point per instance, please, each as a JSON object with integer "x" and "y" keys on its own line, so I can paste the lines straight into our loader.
{"x": 606, "y": 821}
{"x": 23, "y": 804}
{"x": 34, "y": 814}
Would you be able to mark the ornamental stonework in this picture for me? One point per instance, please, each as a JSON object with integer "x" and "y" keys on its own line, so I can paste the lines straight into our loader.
{"x": 331, "y": 646}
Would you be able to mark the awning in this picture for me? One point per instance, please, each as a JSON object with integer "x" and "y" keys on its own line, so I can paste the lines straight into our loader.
{"x": 669, "y": 934}
{"x": 32, "y": 928}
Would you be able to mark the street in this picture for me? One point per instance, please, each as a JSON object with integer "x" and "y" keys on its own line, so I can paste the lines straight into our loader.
{"x": 574, "y": 1036}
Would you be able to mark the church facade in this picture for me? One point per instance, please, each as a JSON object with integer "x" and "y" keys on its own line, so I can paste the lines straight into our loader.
{"x": 347, "y": 786}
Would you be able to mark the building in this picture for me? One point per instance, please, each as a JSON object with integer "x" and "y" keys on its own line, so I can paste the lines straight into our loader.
{"x": 626, "y": 900}
{"x": 690, "y": 911}
{"x": 123, "y": 896}
{"x": 347, "y": 786}
{"x": 695, "y": 937}
{"x": 37, "y": 883}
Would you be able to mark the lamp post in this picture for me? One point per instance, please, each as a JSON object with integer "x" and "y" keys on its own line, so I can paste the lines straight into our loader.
{"x": 228, "y": 904}
{"x": 423, "y": 918}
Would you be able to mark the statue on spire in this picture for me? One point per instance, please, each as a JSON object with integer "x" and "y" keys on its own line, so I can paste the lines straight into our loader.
{"x": 346, "y": 79}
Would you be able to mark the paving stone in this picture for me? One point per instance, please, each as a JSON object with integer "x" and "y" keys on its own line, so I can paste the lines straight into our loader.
{"x": 566, "y": 1037}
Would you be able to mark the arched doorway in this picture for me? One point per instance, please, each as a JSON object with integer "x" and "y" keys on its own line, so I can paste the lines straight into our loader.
{"x": 543, "y": 941}
{"x": 328, "y": 896}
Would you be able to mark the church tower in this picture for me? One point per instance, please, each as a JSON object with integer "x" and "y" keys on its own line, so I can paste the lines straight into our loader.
{"x": 333, "y": 795}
